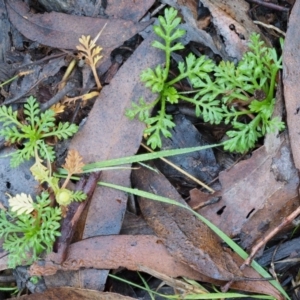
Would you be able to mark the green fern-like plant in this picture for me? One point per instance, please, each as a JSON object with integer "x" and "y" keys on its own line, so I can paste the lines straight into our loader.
{"x": 241, "y": 95}
{"x": 27, "y": 235}
{"x": 31, "y": 134}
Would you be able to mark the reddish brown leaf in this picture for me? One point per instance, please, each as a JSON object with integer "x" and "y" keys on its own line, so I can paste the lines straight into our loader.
{"x": 291, "y": 75}
{"x": 115, "y": 251}
{"x": 189, "y": 240}
{"x": 186, "y": 238}
{"x": 256, "y": 194}
{"x": 135, "y": 253}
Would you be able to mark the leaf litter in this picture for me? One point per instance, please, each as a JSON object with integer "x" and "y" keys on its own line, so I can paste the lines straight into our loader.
{"x": 107, "y": 207}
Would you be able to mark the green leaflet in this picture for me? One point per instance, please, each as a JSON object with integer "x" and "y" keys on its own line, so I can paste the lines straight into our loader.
{"x": 31, "y": 134}
{"x": 227, "y": 93}
{"x": 28, "y": 235}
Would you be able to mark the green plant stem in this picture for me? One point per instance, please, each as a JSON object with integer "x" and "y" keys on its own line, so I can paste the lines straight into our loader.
{"x": 178, "y": 78}
{"x": 9, "y": 80}
{"x": 168, "y": 59}
{"x": 272, "y": 85}
{"x": 237, "y": 113}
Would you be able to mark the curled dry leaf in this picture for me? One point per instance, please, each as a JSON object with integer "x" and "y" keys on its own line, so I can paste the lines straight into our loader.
{"x": 74, "y": 163}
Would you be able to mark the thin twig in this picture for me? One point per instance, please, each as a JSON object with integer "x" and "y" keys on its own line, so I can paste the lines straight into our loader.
{"x": 270, "y": 5}
{"x": 63, "y": 92}
{"x": 270, "y": 27}
{"x": 289, "y": 219}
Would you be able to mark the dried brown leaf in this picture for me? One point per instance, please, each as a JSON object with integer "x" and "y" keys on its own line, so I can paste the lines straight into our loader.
{"x": 74, "y": 162}
{"x": 58, "y": 108}
{"x": 90, "y": 50}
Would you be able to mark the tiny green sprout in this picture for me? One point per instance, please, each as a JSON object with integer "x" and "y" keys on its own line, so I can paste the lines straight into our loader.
{"x": 27, "y": 235}
{"x": 31, "y": 133}
{"x": 30, "y": 228}
{"x": 241, "y": 95}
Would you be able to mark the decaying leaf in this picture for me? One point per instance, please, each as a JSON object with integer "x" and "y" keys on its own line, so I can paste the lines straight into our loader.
{"x": 106, "y": 129}
{"x": 74, "y": 163}
{"x": 60, "y": 30}
{"x": 224, "y": 14}
{"x": 291, "y": 73}
{"x": 112, "y": 252}
{"x": 186, "y": 238}
{"x": 58, "y": 108}
{"x": 21, "y": 204}
{"x": 66, "y": 292}
{"x": 91, "y": 54}
{"x": 251, "y": 212}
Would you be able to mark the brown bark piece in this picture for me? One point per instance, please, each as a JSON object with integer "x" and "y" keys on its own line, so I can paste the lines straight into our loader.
{"x": 291, "y": 75}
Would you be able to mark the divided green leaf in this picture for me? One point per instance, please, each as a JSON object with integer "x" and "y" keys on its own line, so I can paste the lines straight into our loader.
{"x": 241, "y": 95}
{"x": 28, "y": 235}
{"x": 31, "y": 133}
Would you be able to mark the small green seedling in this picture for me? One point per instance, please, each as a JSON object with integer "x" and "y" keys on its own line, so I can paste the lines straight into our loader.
{"x": 241, "y": 95}
{"x": 30, "y": 228}
{"x": 31, "y": 133}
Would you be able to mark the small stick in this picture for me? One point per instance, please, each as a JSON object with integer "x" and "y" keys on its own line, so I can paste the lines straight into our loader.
{"x": 55, "y": 99}
{"x": 270, "y": 5}
{"x": 269, "y": 26}
{"x": 289, "y": 219}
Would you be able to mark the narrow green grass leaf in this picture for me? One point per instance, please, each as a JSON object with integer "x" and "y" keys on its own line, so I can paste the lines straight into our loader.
{"x": 208, "y": 296}
{"x": 147, "y": 286}
{"x": 141, "y": 157}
